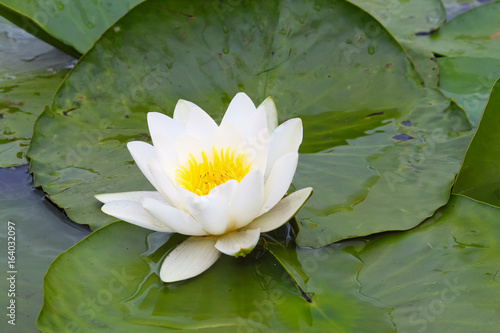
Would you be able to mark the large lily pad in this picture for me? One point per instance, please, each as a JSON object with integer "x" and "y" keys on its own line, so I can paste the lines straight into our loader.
{"x": 41, "y": 233}
{"x": 479, "y": 176}
{"x": 433, "y": 277}
{"x": 424, "y": 60}
{"x": 404, "y": 19}
{"x": 70, "y": 25}
{"x": 441, "y": 275}
{"x": 384, "y": 185}
{"x": 30, "y": 72}
{"x": 380, "y": 150}
{"x": 119, "y": 290}
{"x": 468, "y": 81}
{"x": 464, "y": 36}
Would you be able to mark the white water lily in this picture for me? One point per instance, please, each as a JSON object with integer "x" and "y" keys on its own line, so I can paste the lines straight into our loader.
{"x": 221, "y": 185}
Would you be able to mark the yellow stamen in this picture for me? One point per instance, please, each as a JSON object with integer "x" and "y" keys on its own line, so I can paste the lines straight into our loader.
{"x": 213, "y": 170}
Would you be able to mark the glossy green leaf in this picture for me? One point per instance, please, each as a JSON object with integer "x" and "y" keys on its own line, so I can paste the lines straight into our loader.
{"x": 455, "y": 7}
{"x": 464, "y": 36}
{"x": 86, "y": 302}
{"x": 424, "y": 61}
{"x": 395, "y": 191}
{"x": 70, "y": 25}
{"x": 442, "y": 275}
{"x": 479, "y": 177}
{"x": 30, "y": 73}
{"x": 405, "y": 18}
{"x": 468, "y": 81}
{"x": 40, "y": 233}
{"x": 119, "y": 290}
{"x": 379, "y": 149}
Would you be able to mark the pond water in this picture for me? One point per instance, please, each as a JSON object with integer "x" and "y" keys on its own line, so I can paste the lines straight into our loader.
{"x": 41, "y": 232}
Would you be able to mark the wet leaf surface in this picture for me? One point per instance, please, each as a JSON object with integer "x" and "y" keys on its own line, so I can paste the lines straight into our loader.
{"x": 30, "y": 73}
{"x": 235, "y": 295}
{"x": 463, "y": 36}
{"x": 468, "y": 81}
{"x": 404, "y": 19}
{"x": 72, "y": 26}
{"x": 365, "y": 178}
{"x": 479, "y": 177}
{"x": 441, "y": 275}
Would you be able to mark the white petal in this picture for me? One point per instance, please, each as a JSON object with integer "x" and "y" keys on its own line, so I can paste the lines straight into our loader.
{"x": 248, "y": 198}
{"x": 285, "y": 139}
{"x": 164, "y": 132}
{"x": 238, "y": 243}
{"x": 281, "y": 212}
{"x": 211, "y": 211}
{"x": 240, "y": 108}
{"x": 167, "y": 155}
{"x": 132, "y": 212}
{"x": 227, "y": 135}
{"x": 174, "y": 218}
{"x": 257, "y": 139}
{"x": 142, "y": 153}
{"x": 166, "y": 186}
{"x": 279, "y": 180}
{"x": 186, "y": 195}
{"x": 196, "y": 121}
{"x": 138, "y": 196}
{"x": 181, "y": 112}
{"x": 200, "y": 124}
{"x": 192, "y": 257}
{"x": 255, "y": 127}
{"x": 225, "y": 190}
{"x": 161, "y": 125}
{"x": 255, "y": 150}
{"x": 187, "y": 145}
{"x": 271, "y": 113}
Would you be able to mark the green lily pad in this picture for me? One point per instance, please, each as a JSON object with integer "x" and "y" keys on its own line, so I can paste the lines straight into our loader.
{"x": 479, "y": 177}
{"x": 95, "y": 302}
{"x": 444, "y": 273}
{"x": 468, "y": 81}
{"x": 464, "y": 36}
{"x": 70, "y": 25}
{"x": 30, "y": 72}
{"x": 41, "y": 232}
{"x": 119, "y": 290}
{"x": 424, "y": 60}
{"x": 441, "y": 275}
{"x": 405, "y": 18}
{"x": 380, "y": 150}
{"x": 384, "y": 185}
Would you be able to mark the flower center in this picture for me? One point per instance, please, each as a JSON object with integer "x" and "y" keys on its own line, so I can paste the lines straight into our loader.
{"x": 215, "y": 169}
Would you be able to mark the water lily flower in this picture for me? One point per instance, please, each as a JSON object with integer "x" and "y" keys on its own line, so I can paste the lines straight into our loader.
{"x": 221, "y": 185}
